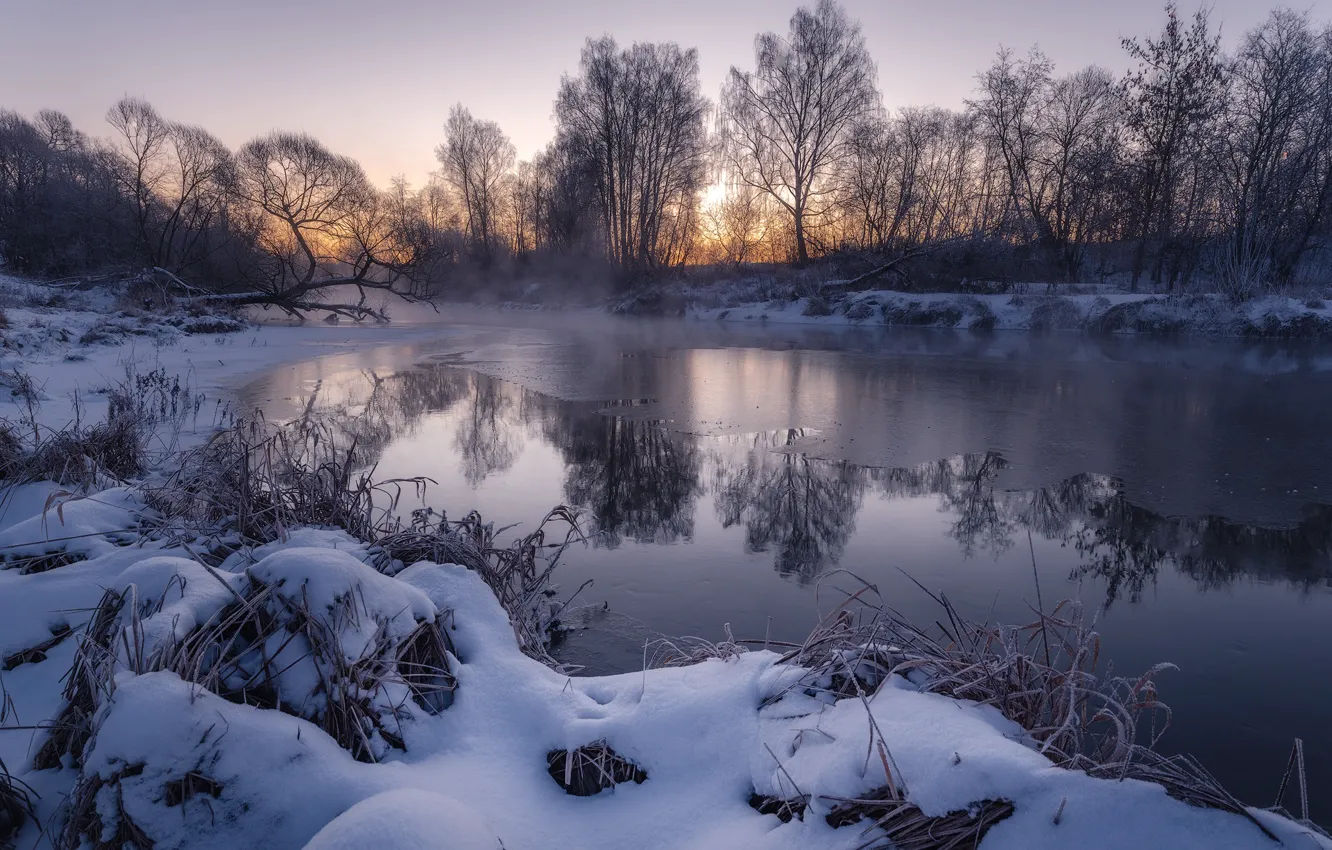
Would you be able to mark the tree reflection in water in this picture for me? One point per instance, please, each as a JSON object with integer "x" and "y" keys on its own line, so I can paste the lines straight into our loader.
{"x": 803, "y": 509}
{"x": 487, "y": 440}
{"x": 633, "y": 477}
{"x": 636, "y": 479}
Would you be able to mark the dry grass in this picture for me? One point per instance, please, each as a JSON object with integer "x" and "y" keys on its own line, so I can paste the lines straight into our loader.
{"x": 519, "y": 574}
{"x": 77, "y": 455}
{"x": 16, "y": 805}
{"x": 86, "y": 682}
{"x": 241, "y": 653}
{"x": 785, "y": 809}
{"x": 37, "y": 653}
{"x": 895, "y": 824}
{"x": 258, "y": 481}
{"x": 1043, "y": 675}
{"x": 685, "y": 651}
{"x": 255, "y": 481}
{"x": 85, "y": 826}
{"x": 11, "y": 450}
{"x": 16, "y": 797}
{"x": 591, "y": 769}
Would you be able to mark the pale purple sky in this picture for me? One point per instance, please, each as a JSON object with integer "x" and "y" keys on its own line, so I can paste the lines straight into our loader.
{"x": 375, "y": 79}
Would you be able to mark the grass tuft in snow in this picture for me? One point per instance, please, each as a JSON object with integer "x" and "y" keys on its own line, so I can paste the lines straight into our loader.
{"x": 11, "y": 450}
{"x": 87, "y": 680}
{"x": 686, "y": 651}
{"x": 31, "y": 564}
{"x": 1042, "y": 675}
{"x": 36, "y": 653}
{"x": 895, "y": 824}
{"x": 95, "y": 800}
{"x": 16, "y": 798}
{"x": 189, "y": 786}
{"x": 76, "y": 455}
{"x": 786, "y": 810}
{"x": 591, "y": 769}
{"x": 254, "y": 481}
{"x": 15, "y": 806}
{"x": 342, "y": 666}
{"x": 519, "y": 574}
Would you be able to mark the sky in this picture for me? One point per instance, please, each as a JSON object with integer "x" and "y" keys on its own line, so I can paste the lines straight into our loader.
{"x": 375, "y": 79}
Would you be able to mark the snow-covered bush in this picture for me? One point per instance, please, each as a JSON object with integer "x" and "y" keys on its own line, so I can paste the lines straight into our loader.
{"x": 817, "y": 305}
{"x": 922, "y": 313}
{"x": 1054, "y": 313}
{"x": 312, "y": 632}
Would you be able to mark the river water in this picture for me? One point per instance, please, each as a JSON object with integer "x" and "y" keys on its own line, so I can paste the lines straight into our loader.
{"x": 1181, "y": 491}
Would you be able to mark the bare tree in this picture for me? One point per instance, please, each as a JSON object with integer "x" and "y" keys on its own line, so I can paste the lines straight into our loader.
{"x": 879, "y": 180}
{"x": 1272, "y": 153}
{"x": 786, "y": 126}
{"x": 524, "y": 191}
{"x": 1171, "y": 100}
{"x": 635, "y": 117}
{"x": 1079, "y": 151}
{"x": 476, "y": 156}
{"x": 142, "y": 141}
{"x": 319, "y": 224}
{"x": 193, "y": 192}
{"x": 736, "y": 225}
{"x": 1056, "y": 141}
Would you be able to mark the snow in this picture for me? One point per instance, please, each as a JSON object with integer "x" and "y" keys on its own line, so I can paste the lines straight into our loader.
{"x": 174, "y": 596}
{"x": 328, "y": 581}
{"x": 407, "y": 818}
{"x": 87, "y": 526}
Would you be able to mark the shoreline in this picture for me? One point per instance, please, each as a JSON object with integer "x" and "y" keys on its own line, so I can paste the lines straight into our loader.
{"x": 1147, "y": 315}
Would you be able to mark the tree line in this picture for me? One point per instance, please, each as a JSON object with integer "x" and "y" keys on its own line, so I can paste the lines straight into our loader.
{"x": 1196, "y": 167}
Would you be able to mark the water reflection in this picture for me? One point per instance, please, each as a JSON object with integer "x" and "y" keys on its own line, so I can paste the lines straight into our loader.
{"x": 803, "y": 510}
{"x": 637, "y": 480}
{"x": 486, "y": 440}
{"x": 633, "y": 478}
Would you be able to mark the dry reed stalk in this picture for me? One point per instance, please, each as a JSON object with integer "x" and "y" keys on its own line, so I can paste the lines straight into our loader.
{"x": 16, "y": 805}
{"x": 86, "y": 682}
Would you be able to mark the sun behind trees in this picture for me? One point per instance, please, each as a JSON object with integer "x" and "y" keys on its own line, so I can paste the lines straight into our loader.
{"x": 1193, "y": 169}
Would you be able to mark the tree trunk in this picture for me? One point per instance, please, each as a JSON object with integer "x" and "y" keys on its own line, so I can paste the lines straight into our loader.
{"x": 802, "y": 253}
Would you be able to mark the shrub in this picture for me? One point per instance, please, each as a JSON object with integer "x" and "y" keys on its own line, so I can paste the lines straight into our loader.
{"x": 817, "y": 305}
{"x": 917, "y": 313}
{"x": 1055, "y": 313}
{"x": 860, "y": 310}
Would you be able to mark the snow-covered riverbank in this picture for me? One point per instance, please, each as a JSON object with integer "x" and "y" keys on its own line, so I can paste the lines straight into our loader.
{"x": 1198, "y": 315}
{"x": 57, "y": 364}
{"x": 168, "y": 746}
{"x": 173, "y": 762}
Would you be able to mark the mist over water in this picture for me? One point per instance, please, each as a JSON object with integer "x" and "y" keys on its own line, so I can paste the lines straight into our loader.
{"x": 728, "y": 476}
